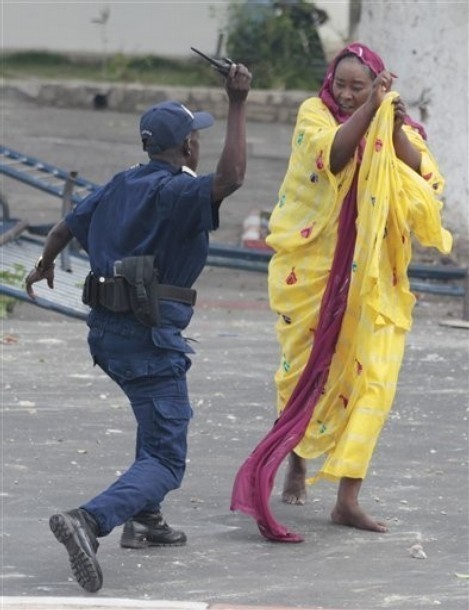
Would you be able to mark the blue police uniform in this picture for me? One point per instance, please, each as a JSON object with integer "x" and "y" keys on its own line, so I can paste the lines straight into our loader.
{"x": 153, "y": 209}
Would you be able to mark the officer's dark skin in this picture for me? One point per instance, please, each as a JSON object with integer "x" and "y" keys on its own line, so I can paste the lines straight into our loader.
{"x": 229, "y": 173}
{"x": 231, "y": 167}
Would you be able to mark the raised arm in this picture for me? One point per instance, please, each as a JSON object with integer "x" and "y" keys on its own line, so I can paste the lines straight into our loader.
{"x": 405, "y": 150}
{"x": 231, "y": 166}
{"x": 350, "y": 133}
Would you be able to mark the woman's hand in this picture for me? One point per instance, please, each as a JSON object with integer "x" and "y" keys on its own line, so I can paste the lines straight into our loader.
{"x": 350, "y": 133}
{"x": 399, "y": 113}
{"x": 381, "y": 85}
{"x": 405, "y": 150}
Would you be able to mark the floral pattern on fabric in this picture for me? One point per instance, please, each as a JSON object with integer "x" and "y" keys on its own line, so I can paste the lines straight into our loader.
{"x": 393, "y": 202}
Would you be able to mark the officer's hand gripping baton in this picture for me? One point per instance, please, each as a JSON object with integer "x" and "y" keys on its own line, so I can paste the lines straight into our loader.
{"x": 220, "y": 65}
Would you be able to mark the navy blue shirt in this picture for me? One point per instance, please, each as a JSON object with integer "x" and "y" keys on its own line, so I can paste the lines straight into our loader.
{"x": 149, "y": 209}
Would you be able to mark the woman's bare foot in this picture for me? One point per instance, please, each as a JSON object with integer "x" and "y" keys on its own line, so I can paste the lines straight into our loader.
{"x": 294, "y": 487}
{"x": 347, "y": 510}
{"x": 354, "y": 516}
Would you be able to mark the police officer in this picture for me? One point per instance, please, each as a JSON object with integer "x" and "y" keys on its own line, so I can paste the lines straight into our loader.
{"x": 146, "y": 234}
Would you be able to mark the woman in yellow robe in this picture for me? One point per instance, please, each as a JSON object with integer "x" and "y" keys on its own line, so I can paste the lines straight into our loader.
{"x": 360, "y": 182}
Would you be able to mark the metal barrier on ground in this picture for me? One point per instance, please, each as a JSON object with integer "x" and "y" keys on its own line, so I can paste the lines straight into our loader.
{"x": 443, "y": 280}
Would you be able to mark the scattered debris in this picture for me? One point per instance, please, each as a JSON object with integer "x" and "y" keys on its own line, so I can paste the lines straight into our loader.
{"x": 9, "y": 339}
{"x": 417, "y": 552}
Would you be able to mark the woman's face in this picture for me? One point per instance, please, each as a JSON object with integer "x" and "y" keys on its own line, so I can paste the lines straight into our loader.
{"x": 351, "y": 84}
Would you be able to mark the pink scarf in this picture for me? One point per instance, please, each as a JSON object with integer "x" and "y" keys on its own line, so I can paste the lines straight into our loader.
{"x": 374, "y": 62}
{"x": 254, "y": 481}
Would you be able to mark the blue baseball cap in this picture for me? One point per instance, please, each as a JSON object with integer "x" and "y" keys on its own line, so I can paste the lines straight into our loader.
{"x": 169, "y": 123}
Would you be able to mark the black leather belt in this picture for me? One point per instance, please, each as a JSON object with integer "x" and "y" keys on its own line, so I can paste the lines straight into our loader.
{"x": 114, "y": 293}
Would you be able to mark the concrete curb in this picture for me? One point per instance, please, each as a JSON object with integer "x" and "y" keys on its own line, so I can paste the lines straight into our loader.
{"x": 265, "y": 106}
{"x": 95, "y": 603}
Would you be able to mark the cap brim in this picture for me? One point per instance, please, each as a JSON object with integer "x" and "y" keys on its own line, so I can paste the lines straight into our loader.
{"x": 202, "y": 120}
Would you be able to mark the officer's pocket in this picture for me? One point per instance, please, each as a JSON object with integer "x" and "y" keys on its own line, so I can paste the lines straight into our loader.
{"x": 165, "y": 364}
{"x": 172, "y": 344}
{"x": 171, "y": 339}
{"x": 126, "y": 370}
{"x": 164, "y": 433}
{"x": 173, "y": 408}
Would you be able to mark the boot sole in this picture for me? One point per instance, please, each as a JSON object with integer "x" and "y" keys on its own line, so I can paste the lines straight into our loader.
{"x": 85, "y": 569}
{"x": 142, "y": 543}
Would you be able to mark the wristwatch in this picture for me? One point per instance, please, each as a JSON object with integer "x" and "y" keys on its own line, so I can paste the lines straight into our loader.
{"x": 38, "y": 264}
{"x": 40, "y": 267}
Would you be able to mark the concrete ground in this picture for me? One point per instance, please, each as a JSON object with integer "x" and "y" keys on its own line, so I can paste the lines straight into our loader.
{"x": 67, "y": 431}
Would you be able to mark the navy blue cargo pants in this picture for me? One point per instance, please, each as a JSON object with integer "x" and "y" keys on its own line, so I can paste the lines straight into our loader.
{"x": 153, "y": 376}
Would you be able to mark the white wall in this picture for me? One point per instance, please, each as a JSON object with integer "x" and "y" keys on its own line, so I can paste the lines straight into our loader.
{"x": 156, "y": 27}
{"x": 426, "y": 43}
{"x": 334, "y": 33}
{"x": 159, "y": 28}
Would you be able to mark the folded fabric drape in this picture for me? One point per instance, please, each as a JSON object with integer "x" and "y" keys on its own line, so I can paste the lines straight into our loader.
{"x": 337, "y": 394}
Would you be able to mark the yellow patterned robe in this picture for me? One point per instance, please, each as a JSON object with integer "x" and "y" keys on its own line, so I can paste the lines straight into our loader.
{"x": 393, "y": 202}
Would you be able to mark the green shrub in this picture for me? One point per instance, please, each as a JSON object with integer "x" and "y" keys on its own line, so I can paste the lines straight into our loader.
{"x": 279, "y": 43}
{"x": 147, "y": 69}
{"x": 40, "y": 58}
{"x": 13, "y": 278}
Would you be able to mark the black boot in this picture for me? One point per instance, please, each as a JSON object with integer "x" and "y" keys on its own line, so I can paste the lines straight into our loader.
{"x": 150, "y": 529}
{"x": 77, "y": 531}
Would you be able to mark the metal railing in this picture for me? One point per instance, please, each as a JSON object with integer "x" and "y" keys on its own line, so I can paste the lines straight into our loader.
{"x": 444, "y": 280}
